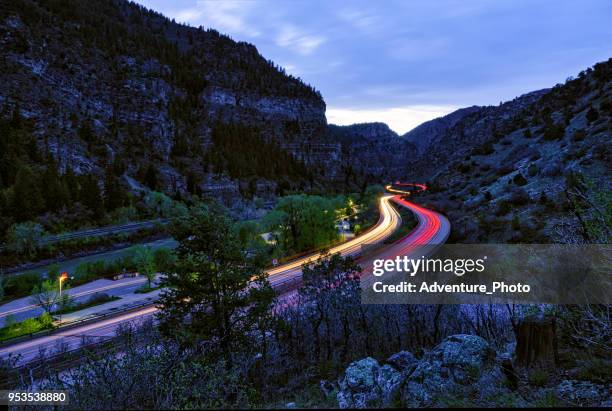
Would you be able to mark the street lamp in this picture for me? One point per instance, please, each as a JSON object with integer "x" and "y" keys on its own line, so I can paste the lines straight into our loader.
{"x": 63, "y": 276}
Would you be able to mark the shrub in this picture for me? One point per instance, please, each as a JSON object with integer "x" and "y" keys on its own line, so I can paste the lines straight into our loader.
{"x": 579, "y": 135}
{"x": 592, "y": 115}
{"x": 21, "y": 285}
{"x": 503, "y": 208}
{"x": 519, "y": 197}
{"x": 538, "y": 378}
{"x": 532, "y": 170}
{"x": 164, "y": 259}
{"x": 553, "y": 132}
{"x": 519, "y": 180}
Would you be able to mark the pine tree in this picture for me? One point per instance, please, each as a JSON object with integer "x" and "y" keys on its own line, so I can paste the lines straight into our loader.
{"x": 115, "y": 195}
{"x": 27, "y": 198}
{"x": 54, "y": 192}
{"x": 90, "y": 195}
{"x": 215, "y": 293}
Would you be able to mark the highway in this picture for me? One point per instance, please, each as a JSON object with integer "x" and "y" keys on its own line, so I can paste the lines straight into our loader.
{"x": 432, "y": 228}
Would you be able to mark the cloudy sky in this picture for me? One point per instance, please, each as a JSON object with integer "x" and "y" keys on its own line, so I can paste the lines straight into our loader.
{"x": 404, "y": 62}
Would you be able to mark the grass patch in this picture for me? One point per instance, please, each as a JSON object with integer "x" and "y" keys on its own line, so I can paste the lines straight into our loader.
{"x": 538, "y": 378}
{"x": 29, "y": 326}
{"x": 96, "y": 299}
{"x": 146, "y": 289}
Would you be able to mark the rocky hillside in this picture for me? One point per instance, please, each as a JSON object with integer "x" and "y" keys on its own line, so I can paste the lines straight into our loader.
{"x": 426, "y": 134}
{"x": 462, "y": 371}
{"x": 107, "y": 79}
{"x": 372, "y": 152}
{"x": 535, "y": 169}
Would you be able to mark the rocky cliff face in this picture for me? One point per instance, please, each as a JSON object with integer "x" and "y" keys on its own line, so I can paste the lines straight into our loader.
{"x": 373, "y": 150}
{"x": 425, "y": 135}
{"x": 108, "y": 79}
{"x": 532, "y": 170}
{"x": 452, "y": 136}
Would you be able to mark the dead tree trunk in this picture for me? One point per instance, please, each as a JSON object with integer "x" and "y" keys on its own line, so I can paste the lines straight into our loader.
{"x": 536, "y": 343}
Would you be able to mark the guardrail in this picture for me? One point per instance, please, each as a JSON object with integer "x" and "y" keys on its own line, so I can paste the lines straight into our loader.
{"x": 73, "y": 324}
{"x": 94, "y": 232}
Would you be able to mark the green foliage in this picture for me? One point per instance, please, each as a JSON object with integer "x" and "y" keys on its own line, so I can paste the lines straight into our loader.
{"x": 144, "y": 260}
{"x": 592, "y": 205}
{"x": 596, "y": 369}
{"x": 538, "y": 378}
{"x": 532, "y": 170}
{"x": 25, "y": 237}
{"x": 46, "y": 294}
{"x": 548, "y": 400}
{"x": 95, "y": 299}
{"x": 241, "y": 152}
{"x": 27, "y": 198}
{"x": 161, "y": 375}
{"x": 93, "y": 270}
{"x": 20, "y": 285}
{"x": 164, "y": 259}
{"x": 29, "y": 326}
{"x": 303, "y": 222}
{"x": 215, "y": 293}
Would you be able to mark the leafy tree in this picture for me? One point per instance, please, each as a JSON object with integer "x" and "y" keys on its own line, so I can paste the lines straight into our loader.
{"x": 25, "y": 237}
{"x": 164, "y": 260}
{"x": 303, "y": 222}
{"x": 145, "y": 262}
{"x": 46, "y": 294}
{"x": 215, "y": 293}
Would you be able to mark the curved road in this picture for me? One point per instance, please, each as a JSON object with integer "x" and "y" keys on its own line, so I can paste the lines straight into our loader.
{"x": 432, "y": 228}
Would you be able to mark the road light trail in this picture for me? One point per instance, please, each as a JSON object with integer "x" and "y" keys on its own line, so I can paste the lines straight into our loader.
{"x": 432, "y": 228}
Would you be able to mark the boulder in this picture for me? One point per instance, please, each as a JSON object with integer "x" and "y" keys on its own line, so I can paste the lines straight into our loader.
{"x": 366, "y": 383}
{"x": 458, "y": 364}
{"x": 402, "y": 361}
{"x": 459, "y": 359}
{"x": 584, "y": 393}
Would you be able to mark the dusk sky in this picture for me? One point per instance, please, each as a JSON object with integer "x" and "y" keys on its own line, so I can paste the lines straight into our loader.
{"x": 405, "y": 62}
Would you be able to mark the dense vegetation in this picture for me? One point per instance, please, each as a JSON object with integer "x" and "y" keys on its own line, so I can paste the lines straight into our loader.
{"x": 226, "y": 344}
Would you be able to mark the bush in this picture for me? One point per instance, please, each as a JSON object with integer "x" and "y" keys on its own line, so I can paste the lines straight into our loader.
{"x": 519, "y": 180}
{"x": 538, "y": 378}
{"x": 21, "y": 285}
{"x": 592, "y": 115}
{"x": 579, "y": 135}
{"x": 532, "y": 170}
{"x": 503, "y": 208}
{"x": 519, "y": 197}
{"x": 164, "y": 259}
{"x": 29, "y": 326}
{"x": 553, "y": 132}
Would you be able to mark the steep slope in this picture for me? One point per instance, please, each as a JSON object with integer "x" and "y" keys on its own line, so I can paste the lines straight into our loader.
{"x": 107, "y": 80}
{"x": 372, "y": 152}
{"x": 425, "y": 135}
{"x": 536, "y": 169}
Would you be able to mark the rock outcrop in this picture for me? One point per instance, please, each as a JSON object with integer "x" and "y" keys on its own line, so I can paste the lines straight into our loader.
{"x": 457, "y": 365}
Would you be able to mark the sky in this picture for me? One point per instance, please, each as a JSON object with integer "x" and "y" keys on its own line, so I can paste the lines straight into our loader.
{"x": 405, "y": 62}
